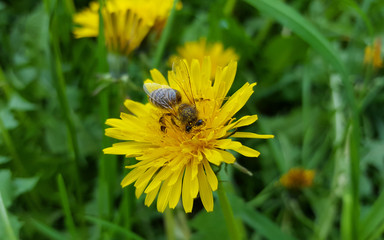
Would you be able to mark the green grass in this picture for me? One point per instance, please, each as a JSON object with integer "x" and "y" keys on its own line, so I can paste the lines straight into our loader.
{"x": 314, "y": 93}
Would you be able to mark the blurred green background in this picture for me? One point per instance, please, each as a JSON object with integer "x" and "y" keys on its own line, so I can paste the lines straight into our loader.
{"x": 314, "y": 93}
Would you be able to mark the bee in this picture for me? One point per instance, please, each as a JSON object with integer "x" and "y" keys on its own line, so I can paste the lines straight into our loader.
{"x": 170, "y": 99}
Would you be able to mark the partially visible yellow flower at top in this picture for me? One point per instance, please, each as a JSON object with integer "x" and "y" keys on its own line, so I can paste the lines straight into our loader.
{"x": 220, "y": 57}
{"x": 298, "y": 178}
{"x": 182, "y": 133}
{"x": 372, "y": 54}
{"x": 126, "y": 22}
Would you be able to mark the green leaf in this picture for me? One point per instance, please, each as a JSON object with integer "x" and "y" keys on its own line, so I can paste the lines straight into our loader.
{"x": 4, "y": 159}
{"x": 6, "y": 187}
{"x": 18, "y": 103}
{"x": 288, "y": 49}
{"x": 210, "y": 225}
{"x": 8, "y": 119}
{"x": 22, "y": 185}
{"x": 2, "y": 6}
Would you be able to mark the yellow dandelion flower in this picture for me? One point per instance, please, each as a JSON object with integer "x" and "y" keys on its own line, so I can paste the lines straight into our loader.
{"x": 297, "y": 178}
{"x": 220, "y": 57}
{"x": 126, "y": 22}
{"x": 181, "y": 133}
{"x": 372, "y": 55}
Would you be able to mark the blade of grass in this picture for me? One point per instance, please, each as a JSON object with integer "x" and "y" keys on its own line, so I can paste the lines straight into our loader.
{"x": 263, "y": 195}
{"x": 11, "y": 148}
{"x": 68, "y": 114}
{"x": 114, "y": 227}
{"x": 377, "y": 232}
{"x": 371, "y": 223}
{"x": 306, "y": 111}
{"x": 263, "y": 225}
{"x": 298, "y": 24}
{"x": 5, "y": 220}
{"x": 66, "y": 207}
{"x": 364, "y": 17}
{"x": 6, "y": 136}
{"x": 47, "y": 230}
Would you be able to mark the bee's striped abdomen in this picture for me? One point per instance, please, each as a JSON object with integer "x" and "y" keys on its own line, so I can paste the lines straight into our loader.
{"x": 165, "y": 98}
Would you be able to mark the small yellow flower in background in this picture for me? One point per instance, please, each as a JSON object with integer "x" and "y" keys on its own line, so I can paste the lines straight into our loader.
{"x": 297, "y": 178}
{"x": 181, "y": 133}
{"x": 372, "y": 55}
{"x": 126, "y": 22}
{"x": 220, "y": 57}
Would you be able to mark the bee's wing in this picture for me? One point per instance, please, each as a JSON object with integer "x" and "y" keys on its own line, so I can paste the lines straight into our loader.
{"x": 182, "y": 78}
{"x": 149, "y": 87}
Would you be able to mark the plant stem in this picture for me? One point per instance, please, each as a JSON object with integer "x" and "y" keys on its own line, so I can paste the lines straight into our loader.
{"x": 169, "y": 224}
{"x": 61, "y": 93}
{"x": 229, "y": 6}
{"x": 230, "y": 220}
{"x": 11, "y": 147}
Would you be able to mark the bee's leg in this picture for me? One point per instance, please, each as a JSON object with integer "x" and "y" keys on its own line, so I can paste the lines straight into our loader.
{"x": 188, "y": 128}
{"x": 199, "y": 122}
{"x": 163, "y": 127}
{"x": 173, "y": 122}
{"x": 161, "y": 119}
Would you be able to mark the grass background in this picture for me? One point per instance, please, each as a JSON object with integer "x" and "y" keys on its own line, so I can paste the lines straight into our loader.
{"x": 314, "y": 93}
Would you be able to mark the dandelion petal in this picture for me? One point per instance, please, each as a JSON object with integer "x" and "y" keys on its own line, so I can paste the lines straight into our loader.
{"x": 205, "y": 190}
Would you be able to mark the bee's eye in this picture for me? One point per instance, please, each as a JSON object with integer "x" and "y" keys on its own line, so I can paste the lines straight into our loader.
{"x": 199, "y": 122}
{"x": 188, "y": 128}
